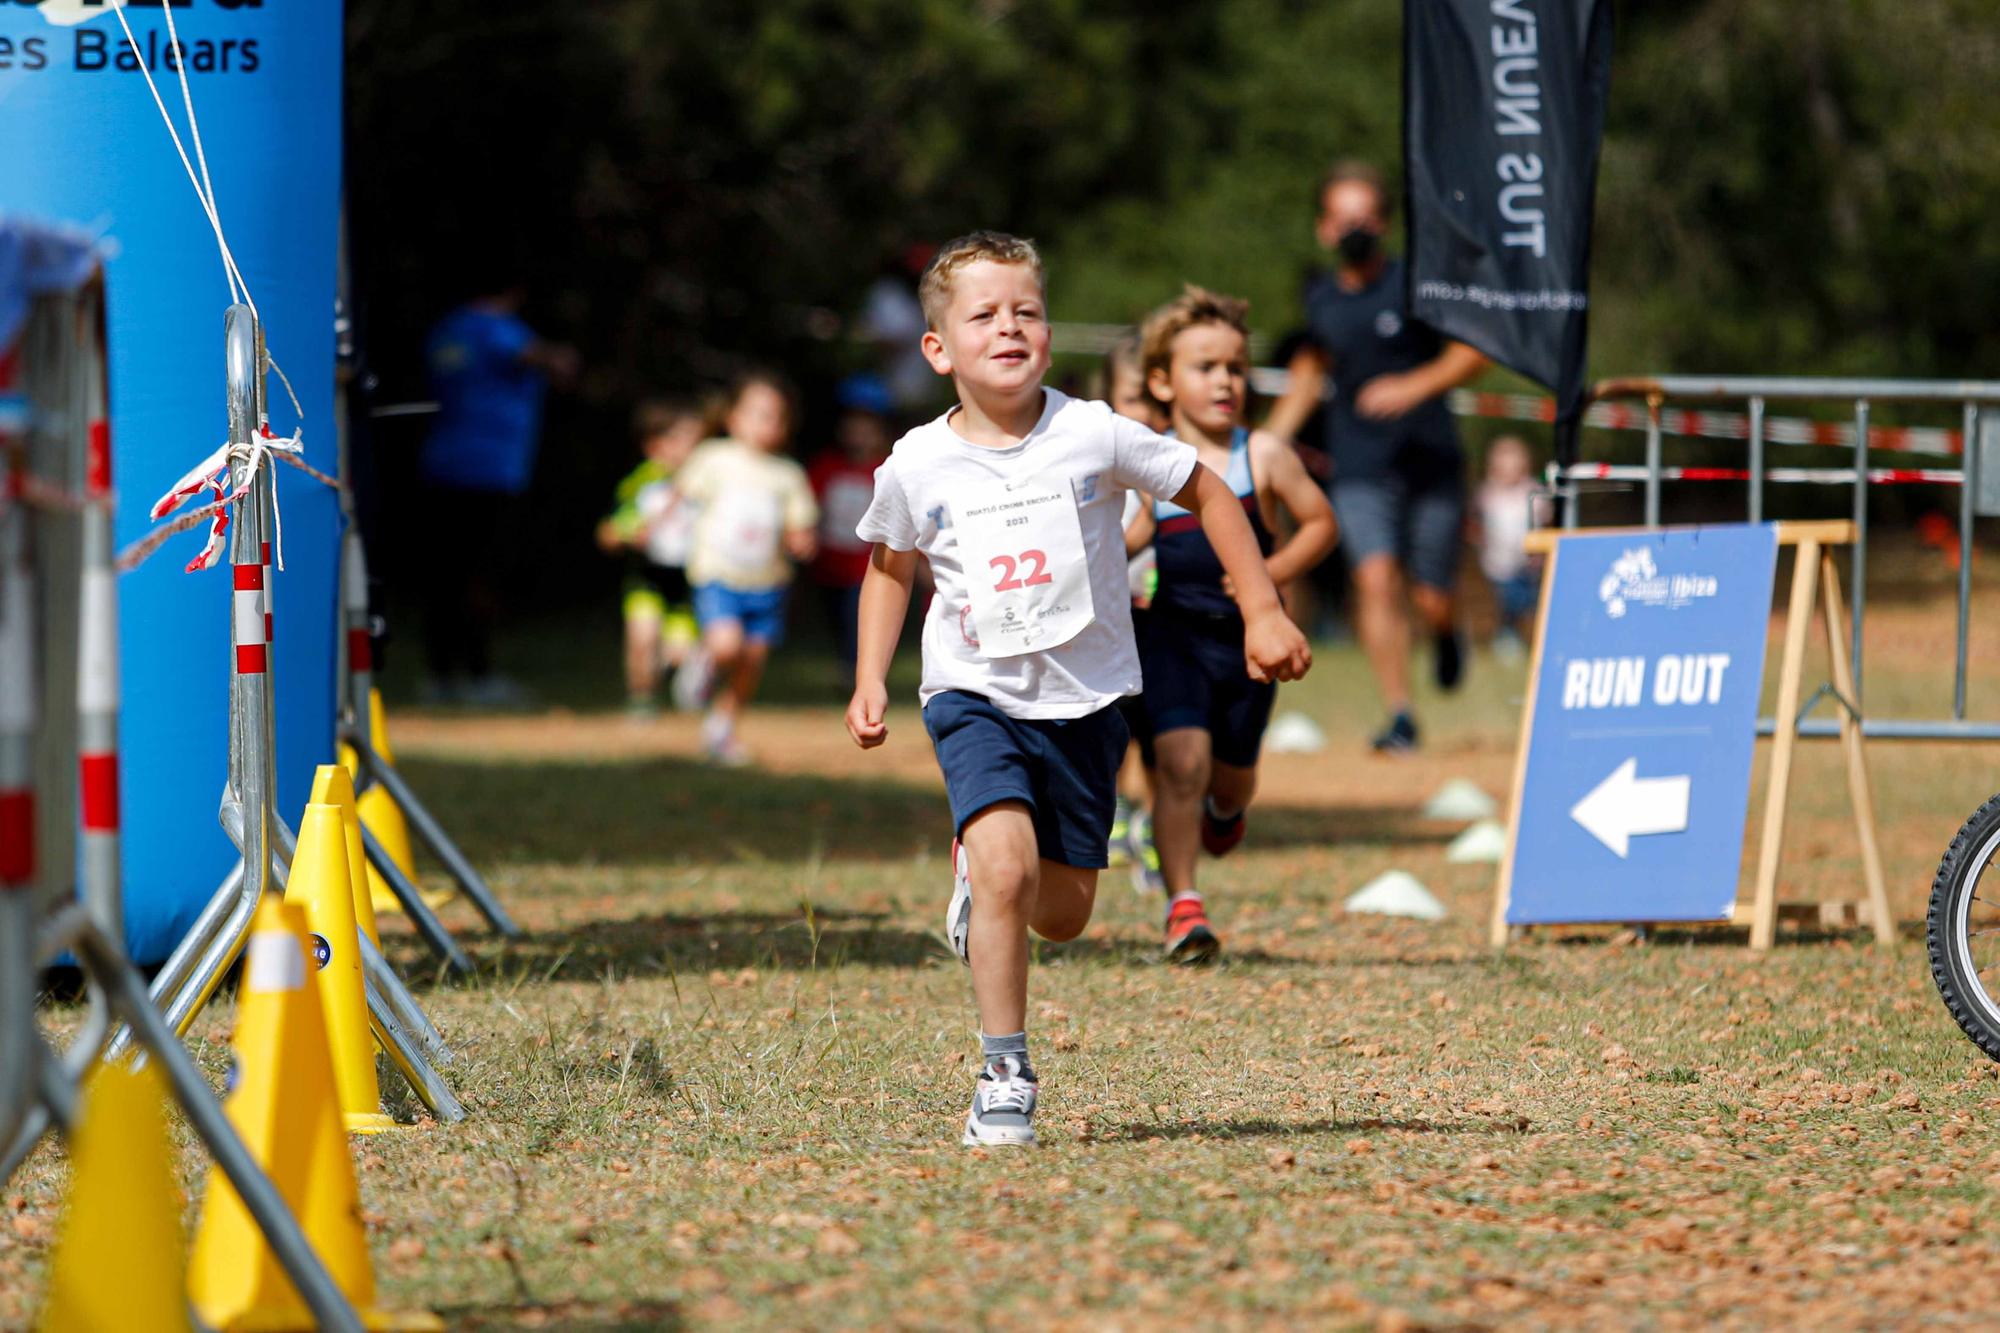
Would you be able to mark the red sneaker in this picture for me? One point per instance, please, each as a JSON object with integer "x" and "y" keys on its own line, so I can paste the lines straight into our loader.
{"x": 1190, "y": 940}
{"x": 1220, "y": 836}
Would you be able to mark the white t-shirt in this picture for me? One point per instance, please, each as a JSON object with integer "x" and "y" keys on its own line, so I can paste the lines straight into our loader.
{"x": 1101, "y": 455}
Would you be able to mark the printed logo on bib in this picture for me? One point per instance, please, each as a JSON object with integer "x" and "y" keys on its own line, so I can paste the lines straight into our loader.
{"x": 1025, "y": 569}
{"x": 748, "y": 525}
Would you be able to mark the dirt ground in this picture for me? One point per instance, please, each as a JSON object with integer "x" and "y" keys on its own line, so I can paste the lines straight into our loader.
{"x": 719, "y": 1083}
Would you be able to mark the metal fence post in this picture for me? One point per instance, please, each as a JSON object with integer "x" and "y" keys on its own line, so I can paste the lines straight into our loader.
{"x": 1756, "y": 460}
{"x": 1653, "y": 460}
{"x": 1859, "y": 593}
{"x": 1968, "y": 496}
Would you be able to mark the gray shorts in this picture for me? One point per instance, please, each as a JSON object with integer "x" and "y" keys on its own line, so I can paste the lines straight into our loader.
{"x": 1421, "y": 525}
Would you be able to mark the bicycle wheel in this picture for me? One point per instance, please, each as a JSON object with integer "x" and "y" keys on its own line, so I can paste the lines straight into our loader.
{"x": 1962, "y": 928}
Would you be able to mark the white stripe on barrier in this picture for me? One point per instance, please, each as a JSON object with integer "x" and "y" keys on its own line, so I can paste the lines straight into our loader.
{"x": 97, "y": 673}
{"x": 247, "y": 607}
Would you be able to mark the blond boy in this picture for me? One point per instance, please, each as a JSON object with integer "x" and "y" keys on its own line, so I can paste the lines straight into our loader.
{"x": 1014, "y": 498}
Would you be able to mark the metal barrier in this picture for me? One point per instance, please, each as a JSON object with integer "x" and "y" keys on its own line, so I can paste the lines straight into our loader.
{"x": 197, "y": 965}
{"x": 1975, "y": 400}
{"x": 64, "y": 376}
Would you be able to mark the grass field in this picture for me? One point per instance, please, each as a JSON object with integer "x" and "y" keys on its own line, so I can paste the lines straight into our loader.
{"x": 720, "y": 1084}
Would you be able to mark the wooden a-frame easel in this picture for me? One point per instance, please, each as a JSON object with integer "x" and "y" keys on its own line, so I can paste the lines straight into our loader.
{"x": 1813, "y": 574}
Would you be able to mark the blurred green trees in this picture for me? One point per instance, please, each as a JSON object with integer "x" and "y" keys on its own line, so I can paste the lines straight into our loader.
{"x": 1793, "y": 186}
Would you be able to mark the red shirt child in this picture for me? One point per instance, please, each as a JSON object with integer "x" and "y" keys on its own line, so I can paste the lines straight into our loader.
{"x": 843, "y": 480}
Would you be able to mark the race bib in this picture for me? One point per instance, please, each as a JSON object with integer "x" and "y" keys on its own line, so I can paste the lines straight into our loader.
{"x": 1025, "y": 569}
{"x": 748, "y": 526}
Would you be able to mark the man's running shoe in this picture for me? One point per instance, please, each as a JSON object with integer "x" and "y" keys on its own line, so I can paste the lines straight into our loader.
{"x": 1190, "y": 940}
{"x": 1399, "y": 737}
{"x": 1146, "y": 876}
{"x": 1219, "y": 836}
{"x": 1448, "y": 660}
{"x": 958, "y": 916}
{"x": 1003, "y": 1106}
{"x": 1121, "y": 832}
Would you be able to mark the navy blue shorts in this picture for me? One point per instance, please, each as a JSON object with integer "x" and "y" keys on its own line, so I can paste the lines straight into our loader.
{"x": 1422, "y": 525}
{"x": 1195, "y": 677}
{"x": 1066, "y": 770}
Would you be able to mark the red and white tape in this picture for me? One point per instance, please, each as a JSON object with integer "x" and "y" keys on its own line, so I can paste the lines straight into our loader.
{"x": 1829, "y": 476}
{"x": 211, "y": 476}
{"x": 1709, "y": 425}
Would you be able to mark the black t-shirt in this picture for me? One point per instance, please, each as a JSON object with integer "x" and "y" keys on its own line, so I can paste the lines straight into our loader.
{"x": 1365, "y": 334}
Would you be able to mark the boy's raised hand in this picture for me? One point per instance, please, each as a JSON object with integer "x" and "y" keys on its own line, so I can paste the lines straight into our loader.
{"x": 1274, "y": 648}
{"x": 864, "y": 715}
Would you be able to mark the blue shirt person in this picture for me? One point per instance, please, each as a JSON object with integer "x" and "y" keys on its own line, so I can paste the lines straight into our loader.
{"x": 490, "y": 373}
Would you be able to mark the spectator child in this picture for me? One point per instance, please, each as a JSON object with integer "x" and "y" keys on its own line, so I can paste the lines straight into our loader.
{"x": 654, "y": 526}
{"x": 1508, "y": 506}
{"x": 843, "y": 481}
{"x": 1207, "y": 717}
{"x": 754, "y": 515}
{"x": 1014, "y": 497}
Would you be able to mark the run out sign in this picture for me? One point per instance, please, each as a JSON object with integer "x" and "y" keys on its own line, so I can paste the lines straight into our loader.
{"x": 1636, "y": 779}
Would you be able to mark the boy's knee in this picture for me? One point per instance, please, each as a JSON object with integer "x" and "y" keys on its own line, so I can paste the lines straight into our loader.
{"x": 1183, "y": 770}
{"x": 1006, "y": 878}
{"x": 1063, "y": 929}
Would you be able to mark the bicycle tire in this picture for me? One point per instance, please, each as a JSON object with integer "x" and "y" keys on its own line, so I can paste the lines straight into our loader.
{"x": 1972, "y": 1006}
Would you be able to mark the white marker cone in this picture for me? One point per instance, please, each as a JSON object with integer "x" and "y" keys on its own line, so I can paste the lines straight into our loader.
{"x": 1294, "y": 733}
{"x": 1397, "y": 893}
{"x": 1485, "y": 841}
{"x": 1460, "y": 800}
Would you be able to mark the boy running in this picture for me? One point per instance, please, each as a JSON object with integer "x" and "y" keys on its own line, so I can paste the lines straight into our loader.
{"x": 1208, "y": 718}
{"x": 1014, "y": 498}
{"x": 755, "y": 514}
{"x": 654, "y": 528}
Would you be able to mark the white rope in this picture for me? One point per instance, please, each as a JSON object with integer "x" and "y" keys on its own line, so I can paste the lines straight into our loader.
{"x": 238, "y": 289}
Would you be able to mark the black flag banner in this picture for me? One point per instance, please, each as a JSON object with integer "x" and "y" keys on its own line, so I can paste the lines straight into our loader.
{"x": 1503, "y": 108}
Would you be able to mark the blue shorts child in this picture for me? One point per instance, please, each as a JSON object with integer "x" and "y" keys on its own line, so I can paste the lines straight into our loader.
{"x": 1195, "y": 677}
{"x": 761, "y": 613}
{"x": 1064, "y": 769}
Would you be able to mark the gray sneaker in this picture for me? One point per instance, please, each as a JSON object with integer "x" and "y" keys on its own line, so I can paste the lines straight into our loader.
{"x": 1003, "y": 1106}
{"x": 958, "y": 916}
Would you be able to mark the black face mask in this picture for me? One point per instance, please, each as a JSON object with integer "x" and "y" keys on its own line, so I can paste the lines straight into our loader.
{"x": 1358, "y": 245}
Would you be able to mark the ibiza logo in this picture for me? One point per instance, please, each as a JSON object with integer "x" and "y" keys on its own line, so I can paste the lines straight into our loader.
{"x": 1635, "y": 580}
{"x": 967, "y": 628}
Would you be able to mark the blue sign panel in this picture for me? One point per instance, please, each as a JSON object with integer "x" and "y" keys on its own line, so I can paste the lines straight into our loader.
{"x": 1638, "y": 774}
{"x": 82, "y": 142}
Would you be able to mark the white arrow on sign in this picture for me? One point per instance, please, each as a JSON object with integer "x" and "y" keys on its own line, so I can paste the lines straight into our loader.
{"x": 1625, "y": 806}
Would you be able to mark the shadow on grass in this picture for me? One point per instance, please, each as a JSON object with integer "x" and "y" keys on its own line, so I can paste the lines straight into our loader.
{"x": 668, "y": 810}
{"x": 668, "y": 943}
{"x": 1348, "y": 826}
{"x": 663, "y": 944}
{"x": 1140, "y": 1130}
{"x": 630, "y": 1315}
{"x": 1611, "y": 935}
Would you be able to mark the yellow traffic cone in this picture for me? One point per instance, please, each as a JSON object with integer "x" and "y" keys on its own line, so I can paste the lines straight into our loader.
{"x": 333, "y": 786}
{"x": 320, "y": 885}
{"x": 123, "y": 1217}
{"x": 384, "y": 817}
{"x": 285, "y": 1107}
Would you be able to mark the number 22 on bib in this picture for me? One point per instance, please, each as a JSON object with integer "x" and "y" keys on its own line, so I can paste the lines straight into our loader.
{"x": 1025, "y": 570}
